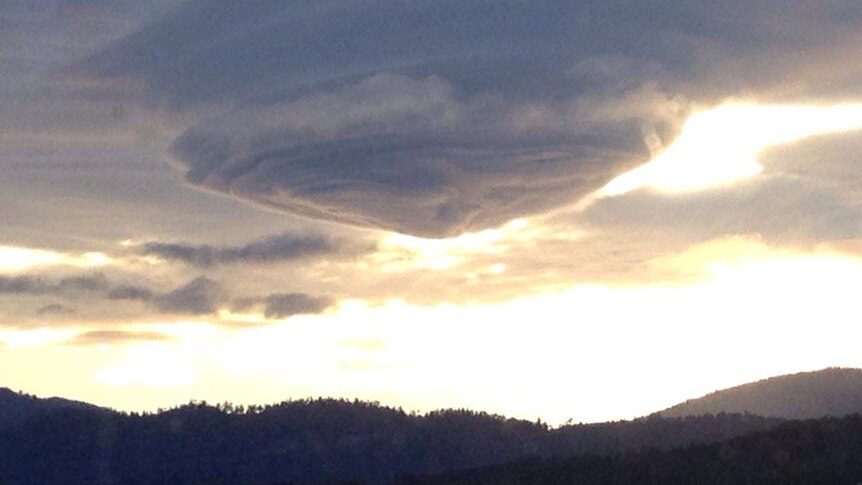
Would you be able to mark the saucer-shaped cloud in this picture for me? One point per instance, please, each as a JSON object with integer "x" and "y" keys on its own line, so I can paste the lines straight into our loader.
{"x": 436, "y": 117}
{"x": 403, "y": 154}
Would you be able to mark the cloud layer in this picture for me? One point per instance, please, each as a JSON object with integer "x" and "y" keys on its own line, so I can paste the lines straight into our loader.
{"x": 403, "y": 154}
{"x": 431, "y": 118}
{"x": 283, "y": 305}
{"x": 83, "y": 296}
{"x": 438, "y": 117}
{"x": 455, "y": 116}
{"x": 274, "y": 249}
{"x": 26, "y": 284}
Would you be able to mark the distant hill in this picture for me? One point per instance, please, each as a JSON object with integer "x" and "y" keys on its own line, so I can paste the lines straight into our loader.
{"x": 311, "y": 442}
{"x": 829, "y": 392}
{"x": 823, "y": 451}
{"x": 17, "y": 408}
{"x": 325, "y": 441}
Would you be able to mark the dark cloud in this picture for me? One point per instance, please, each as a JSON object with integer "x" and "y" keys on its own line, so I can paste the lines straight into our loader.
{"x": 130, "y": 292}
{"x": 22, "y": 285}
{"x": 442, "y": 116}
{"x": 285, "y": 247}
{"x": 17, "y": 285}
{"x": 405, "y": 154}
{"x": 283, "y": 305}
{"x": 54, "y": 309}
{"x": 199, "y": 297}
{"x": 288, "y": 304}
{"x": 96, "y": 282}
{"x": 39, "y": 39}
{"x": 431, "y": 128}
{"x": 551, "y": 47}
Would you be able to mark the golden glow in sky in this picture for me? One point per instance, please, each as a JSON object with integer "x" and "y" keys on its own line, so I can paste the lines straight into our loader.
{"x": 401, "y": 252}
{"x": 253, "y": 232}
{"x": 589, "y": 352}
{"x": 15, "y": 259}
{"x": 760, "y": 313}
{"x": 721, "y": 145}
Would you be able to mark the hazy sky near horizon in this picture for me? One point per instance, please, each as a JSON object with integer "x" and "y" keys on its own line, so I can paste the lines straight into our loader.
{"x": 556, "y": 209}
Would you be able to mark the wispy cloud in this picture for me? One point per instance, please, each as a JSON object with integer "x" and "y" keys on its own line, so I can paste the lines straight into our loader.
{"x": 83, "y": 295}
{"x": 284, "y": 305}
{"x": 286, "y": 247}
{"x": 26, "y": 284}
{"x": 54, "y": 309}
{"x": 200, "y": 296}
{"x": 99, "y": 337}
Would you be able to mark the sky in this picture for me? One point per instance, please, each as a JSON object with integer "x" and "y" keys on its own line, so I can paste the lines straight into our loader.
{"x": 551, "y": 209}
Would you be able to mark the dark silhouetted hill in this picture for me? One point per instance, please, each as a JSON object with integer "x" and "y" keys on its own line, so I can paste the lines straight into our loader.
{"x": 825, "y": 451}
{"x": 829, "y": 392}
{"x": 17, "y": 408}
{"x": 311, "y": 441}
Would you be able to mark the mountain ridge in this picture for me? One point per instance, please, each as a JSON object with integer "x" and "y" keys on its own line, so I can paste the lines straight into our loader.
{"x": 833, "y": 391}
{"x": 17, "y": 407}
{"x": 315, "y": 441}
{"x": 312, "y": 442}
{"x": 802, "y": 452}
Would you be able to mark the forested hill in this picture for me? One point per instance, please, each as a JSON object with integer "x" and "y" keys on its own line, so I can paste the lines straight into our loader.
{"x": 824, "y": 451}
{"x": 309, "y": 441}
{"x": 53, "y": 441}
{"x": 16, "y": 408}
{"x": 829, "y": 392}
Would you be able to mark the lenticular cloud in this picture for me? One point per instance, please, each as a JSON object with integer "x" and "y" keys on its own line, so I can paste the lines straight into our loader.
{"x": 435, "y": 117}
{"x": 402, "y": 154}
